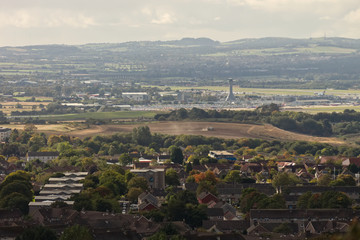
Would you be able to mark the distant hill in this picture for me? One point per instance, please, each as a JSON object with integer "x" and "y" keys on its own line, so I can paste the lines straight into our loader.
{"x": 263, "y": 62}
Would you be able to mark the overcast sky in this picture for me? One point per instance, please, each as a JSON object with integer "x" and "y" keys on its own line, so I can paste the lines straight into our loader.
{"x": 30, "y": 22}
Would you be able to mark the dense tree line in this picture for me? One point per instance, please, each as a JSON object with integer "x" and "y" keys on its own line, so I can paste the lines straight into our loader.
{"x": 320, "y": 124}
{"x": 51, "y": 108}
{"x": 16, "y": 191}
{"x": 141, "y": 140}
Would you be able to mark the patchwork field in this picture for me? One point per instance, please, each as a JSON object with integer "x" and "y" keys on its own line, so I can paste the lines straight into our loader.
{"x": 64, "y": 128}
{"x": 8, "y": 107}
{"x": 221, "y": 130}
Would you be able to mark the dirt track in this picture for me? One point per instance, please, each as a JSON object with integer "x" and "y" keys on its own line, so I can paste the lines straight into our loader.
{"x": 222, "y": 130}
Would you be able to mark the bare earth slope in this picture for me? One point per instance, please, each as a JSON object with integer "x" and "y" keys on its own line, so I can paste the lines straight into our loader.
{"x": 221, "y": 130}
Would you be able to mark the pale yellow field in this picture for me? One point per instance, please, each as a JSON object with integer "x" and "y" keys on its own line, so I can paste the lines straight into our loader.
{"x": 63, "y": 128}
{"x": 8, "y": 107}
{"x": 221, "y": 130}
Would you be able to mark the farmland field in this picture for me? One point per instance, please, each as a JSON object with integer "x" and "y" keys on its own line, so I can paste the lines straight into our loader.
{"x": 63, "y": 128}
{"x": 100, "y": 115}
{"x": 8, "y": 107}
{"x": 221, "y": 130}
{"x": 43, "y": 99}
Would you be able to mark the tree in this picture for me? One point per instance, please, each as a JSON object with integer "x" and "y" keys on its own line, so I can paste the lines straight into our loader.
{"x": 76, "y": 232}
{"x": 343, "y": 180}
{"x": 333, "y": 199}
{"x": 188, "y": 167}
{"x": 142, "y": 135}
{"x": 195, "y": 214}
{"x": 353, "y": 168}
{"x": 303, "y": 200}
{"x": 114, "y": 181}
{"x": 176, "y": 155}
{"x": 206, "y": 186}
{"x": 18, "y": 187}
{"x": 125, "y": 159}
{"x": 20, "y": 176}
{"x": 82, "y": 202}
{"x": 324, "y": 180}
{"x": 134, "y": 193}
{"x": 37, "y": 233}
{"x": 15, "y": 200}
{"x": 171, "y": 177}
{"x": 53, "y": 139}
{"x": 103, "y": 205}
{"x": 155, "y": 215}
{"x": 276, "y": 201}
{"x": 138, "y": 182}
{"x": 36, "y": 142}
{"x": 328, "y": 199}
{"x": 233, "y": 177}
{"x": 250, "y": 198}
{"x": 184, "y": 205}
{"x": 284, "y": 179}
{"x": 31, "y": 128}
{"x": 206, "y": 176}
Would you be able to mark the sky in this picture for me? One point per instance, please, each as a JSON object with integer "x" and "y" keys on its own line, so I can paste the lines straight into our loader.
{"x": 34, "y": 22}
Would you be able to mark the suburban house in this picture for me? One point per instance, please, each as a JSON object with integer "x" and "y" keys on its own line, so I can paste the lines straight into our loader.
{"x": 300, "y": 215}
{"x": 219, "y": 169}
{"x": 221, "y": 210}
{"x": 331, "y": 159}
{"x": 222, "y": 155}
{"x": 55, "y": 218}
{"x": 42, "y": 156}
{"x": 249, "y": 168}
{"x": 206, "y": 197}
{"x": 146, "y": 197}
{"x": 4, "y": 133}
{"x": 352, "y": 160}
{"x": 147, "y": 206}
{"x": 301, "y": 221}
{"x": 231, "y": 192}
{"x": 352, "y": 191}
{"x": 9, "y": 216}
{"x": 225, "y": 226}
{"x": 154, "y": 177}
{"x": 58, "y": 189}
{"x": 320, "y": 227}
{"x": 136, "y": 96}
{"x": 118, "y": 226}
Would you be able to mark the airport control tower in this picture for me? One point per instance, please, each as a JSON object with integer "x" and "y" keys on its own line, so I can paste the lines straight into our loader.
{"x": 230, "y": 97}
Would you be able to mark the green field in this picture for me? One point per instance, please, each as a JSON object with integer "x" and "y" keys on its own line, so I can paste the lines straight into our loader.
{"x": 101, "y": 115}
{"x": 43, "y": 99}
